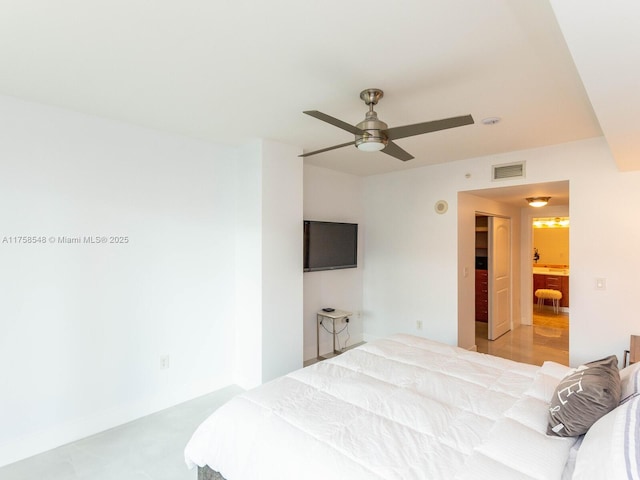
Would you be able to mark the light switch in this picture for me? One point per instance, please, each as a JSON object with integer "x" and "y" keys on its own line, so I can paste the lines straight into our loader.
{"x": 601, "y": 284}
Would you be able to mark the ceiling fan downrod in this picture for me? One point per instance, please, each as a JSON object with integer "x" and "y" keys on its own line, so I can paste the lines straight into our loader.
{"x": 372, "y": 139}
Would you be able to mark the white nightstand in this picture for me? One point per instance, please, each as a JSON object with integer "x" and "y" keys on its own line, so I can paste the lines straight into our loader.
{"x": 334, "y": 316}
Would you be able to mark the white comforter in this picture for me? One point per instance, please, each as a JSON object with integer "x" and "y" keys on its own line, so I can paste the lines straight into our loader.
{"x": 399, "y": 408}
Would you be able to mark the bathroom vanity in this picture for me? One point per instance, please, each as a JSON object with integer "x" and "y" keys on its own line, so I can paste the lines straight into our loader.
{"x": 554, "y": 277}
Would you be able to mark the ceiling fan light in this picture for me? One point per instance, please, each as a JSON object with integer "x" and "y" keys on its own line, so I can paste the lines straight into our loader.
{"x": 371, "y": 146}
{"x": 538, "y": 201}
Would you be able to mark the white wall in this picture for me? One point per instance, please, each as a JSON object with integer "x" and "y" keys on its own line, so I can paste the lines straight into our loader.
{"x": 411, "y": 257}
{"x": 412, "y": 253}
{"x": 335, "y": 197}
{"x": 248, "y": 271}
{"x": 268, "y": 274}
{"x": 282, "y": 281}
{"x": 83, "y": 326}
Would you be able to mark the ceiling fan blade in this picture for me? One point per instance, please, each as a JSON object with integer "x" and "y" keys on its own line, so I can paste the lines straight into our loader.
{"x": 426, "y": 127}
{"x": 395, "y": 151}
{"x": 334, "y": 121}
{"x": 327, "y": 149}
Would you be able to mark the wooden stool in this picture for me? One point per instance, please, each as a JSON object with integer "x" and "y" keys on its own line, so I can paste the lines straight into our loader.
{"x": 543, "y": 294}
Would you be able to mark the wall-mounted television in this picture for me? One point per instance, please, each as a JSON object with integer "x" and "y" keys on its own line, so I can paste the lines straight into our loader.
{"x": 330, "y": 245}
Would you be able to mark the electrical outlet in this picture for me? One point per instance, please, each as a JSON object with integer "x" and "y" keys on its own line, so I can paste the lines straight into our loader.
{"x": 419, "y": 324}
{"x": 164, "y": 362}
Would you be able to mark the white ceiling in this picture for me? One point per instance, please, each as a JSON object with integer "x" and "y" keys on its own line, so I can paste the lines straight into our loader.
{"x": 230, "y": 70}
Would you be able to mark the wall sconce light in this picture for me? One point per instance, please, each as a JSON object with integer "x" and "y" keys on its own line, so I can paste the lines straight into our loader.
{"x": 538, "y": 201}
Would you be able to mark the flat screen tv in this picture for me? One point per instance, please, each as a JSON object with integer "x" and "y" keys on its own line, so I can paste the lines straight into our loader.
{"x": 330, "y": 245}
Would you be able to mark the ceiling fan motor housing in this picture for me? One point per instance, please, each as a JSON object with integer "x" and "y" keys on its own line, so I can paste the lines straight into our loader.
{"x": 373, "y": 134}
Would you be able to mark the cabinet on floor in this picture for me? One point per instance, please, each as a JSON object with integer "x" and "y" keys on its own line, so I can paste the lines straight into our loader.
{"x": 482, "y": 296}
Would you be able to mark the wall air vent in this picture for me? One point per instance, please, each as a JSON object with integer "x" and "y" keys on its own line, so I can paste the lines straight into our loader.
{"x": 507, "y": 171}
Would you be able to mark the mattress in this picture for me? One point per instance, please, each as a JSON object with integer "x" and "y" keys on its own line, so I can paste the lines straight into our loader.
{"x": 402, "y": 407}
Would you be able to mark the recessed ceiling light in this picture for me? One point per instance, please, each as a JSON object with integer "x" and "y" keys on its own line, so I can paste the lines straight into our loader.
{"x": 491, "y": 120}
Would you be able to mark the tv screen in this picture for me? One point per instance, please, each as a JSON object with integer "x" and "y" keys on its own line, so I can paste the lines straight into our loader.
{"x": 330, "y": 245}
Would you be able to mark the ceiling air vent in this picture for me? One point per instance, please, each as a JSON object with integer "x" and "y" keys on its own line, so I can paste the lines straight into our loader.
{"x": 511, "y": 170}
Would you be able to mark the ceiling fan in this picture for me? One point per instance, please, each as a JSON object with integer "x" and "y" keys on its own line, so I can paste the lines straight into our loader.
{"x": 373, "y": 135}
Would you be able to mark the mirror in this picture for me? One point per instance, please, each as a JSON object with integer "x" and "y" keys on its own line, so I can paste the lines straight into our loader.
{"x": 551, "y": 241}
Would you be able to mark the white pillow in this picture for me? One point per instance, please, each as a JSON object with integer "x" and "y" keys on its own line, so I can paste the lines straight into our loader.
{"x": 629, "y": 381}
{"x": 609, "y": 447}
{"x": 547, "y": 378}
{"x": 530, "y": 452}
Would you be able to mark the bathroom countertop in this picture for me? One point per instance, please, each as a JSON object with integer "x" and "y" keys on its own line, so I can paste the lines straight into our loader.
{"x": 563, "y": 272}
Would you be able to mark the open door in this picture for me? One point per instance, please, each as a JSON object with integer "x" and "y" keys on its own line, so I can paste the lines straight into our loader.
{"x": 499, "y": 276}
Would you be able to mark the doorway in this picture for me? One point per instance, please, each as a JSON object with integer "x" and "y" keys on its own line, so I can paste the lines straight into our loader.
{"x": 546, "y": 335}
{"x": 519, "y": 344}
{"x": 551, "y": 272}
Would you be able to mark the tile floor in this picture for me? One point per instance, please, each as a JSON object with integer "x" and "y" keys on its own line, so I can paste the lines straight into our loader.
{"x": 546, "y": 339}
{"x": 150, "y": 448}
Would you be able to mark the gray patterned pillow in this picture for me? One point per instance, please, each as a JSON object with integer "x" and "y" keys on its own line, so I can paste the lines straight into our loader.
{"x": 583, "y": 396}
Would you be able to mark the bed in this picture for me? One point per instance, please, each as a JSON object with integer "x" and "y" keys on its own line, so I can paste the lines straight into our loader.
{"x": 405, "y": 407}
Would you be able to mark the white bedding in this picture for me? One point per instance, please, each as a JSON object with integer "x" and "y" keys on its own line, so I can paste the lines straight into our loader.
{"x": 398, "y": 408}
